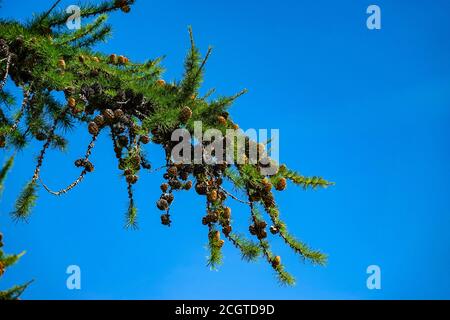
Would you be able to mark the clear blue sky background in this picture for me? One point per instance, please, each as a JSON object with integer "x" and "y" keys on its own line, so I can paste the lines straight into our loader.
{"x": 369, "y": 110}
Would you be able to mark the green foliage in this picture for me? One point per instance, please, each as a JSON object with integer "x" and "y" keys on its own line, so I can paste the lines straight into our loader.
{"x": 250, "y": 251}
{"x": 131, "y": 217}
{"x": 108, "y": 92}
{"x": 298, "y": 179}
{"x": 284, "y": 277}
{"x": 15, "y": 292}
{"x": 7, "y": 261}
{"x": 4, "y": 171}
{"x": 214, "y": 260}
{"x": 25, "y": 202}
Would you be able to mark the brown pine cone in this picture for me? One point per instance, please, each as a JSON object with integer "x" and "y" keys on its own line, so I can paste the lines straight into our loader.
{"x": 274, "y": 230}
{"x": 262, "y": 234}
{"x": 261, "y": 224}
{"x": 222, "y": 120}
{"x": 213, "y": 217}
{"x": 164, "y": 187}
{"x": 165, "y": 219}
{"x": 79, "y": 163}
{"x": 61, "y": 64}
{"x": 162, "y": 204}
{"x": 144, "y": 139}
{"x": 71, "y": 102}
{"x": 123, "y": 141}
{"x": 121, "y": 60}
{"x": 108, "y": 114}
{"x": 118, "y": 113}
{"x": 168, "y": 197}
{"x": 226, "y": 214}
{"x": 187, "y": 185}
{"x": 267, "y": 186}
{"x": 99, "y": 120}
{"x": 93, "y": 128}
{"x": 113, "y": 58}
{"x": 212, "y": 196}
{"x": 175, "y": 184}
{"x": 185, "y": 114}
{"x": 276, "y": 261}
{"x": 172, "y": 171}
{"x": 226, "y": 230}
{"x": 132, "y": 179}
{"x": 281, "y": 184}
{"x": 88, "y": 166}
{"x": 200, "y": 187}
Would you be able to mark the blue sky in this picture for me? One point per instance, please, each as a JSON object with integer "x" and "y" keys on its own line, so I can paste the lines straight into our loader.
{"x": 369, "y": 110}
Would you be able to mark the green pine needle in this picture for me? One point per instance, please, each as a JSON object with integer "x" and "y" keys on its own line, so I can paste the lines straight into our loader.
{"x": 25, "y": 202}
{"x": 131, "y": 217}
{"x": 15, "y": 292}
{"x": 4, "y": 171}
{"x": 214, "y": 260}
{"x": 250, "y": 251}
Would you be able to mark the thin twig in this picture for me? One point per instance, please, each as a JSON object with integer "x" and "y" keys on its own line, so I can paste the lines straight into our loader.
{"x": 5, "y": 77}
{"x": 80, "y": 177}
{"x": 26, "y": 95}
{"x": 234, "y": 197}
{"x": 49, "y": 11}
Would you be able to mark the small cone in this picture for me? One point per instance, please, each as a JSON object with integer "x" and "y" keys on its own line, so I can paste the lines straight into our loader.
{"x": 113, "y": 58}
{"x": 222, "y": 120}
{"x": 93, "y": 128}
{"x": 62, "y": 64}
{"x": 185, "y": 114}
{"x": 71, "y": 102}
{"x": 276, "y": 261}
{"x": 281, "y": 184}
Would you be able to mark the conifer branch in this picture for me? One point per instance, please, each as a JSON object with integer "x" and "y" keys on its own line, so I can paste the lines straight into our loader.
{"x": 5, "y": 76}
{"x": 68, "y": 188}
{"x": 130, "y": 98}
{"x": 304, "y": 182}
{"x": 4, "y": 171}
{"x": 49, "y": 11}
{"x": 26, "y": 95}
{"x": 314, "y": 256}
{"x": 7, "y": 261}
{"x": 80, "y": 177}
{"x": 15, "y": 292}
{"x": 234, "y": 197}
{"x": 83, "y": 31}
{"x": 215, "y": 248}
{"x": 283, "y": 276}
{"x": 25, "y": 202}
{"x": 131, "y": 216}
{"x": 89, "y": 10}
{"x": 249, "y": 250}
